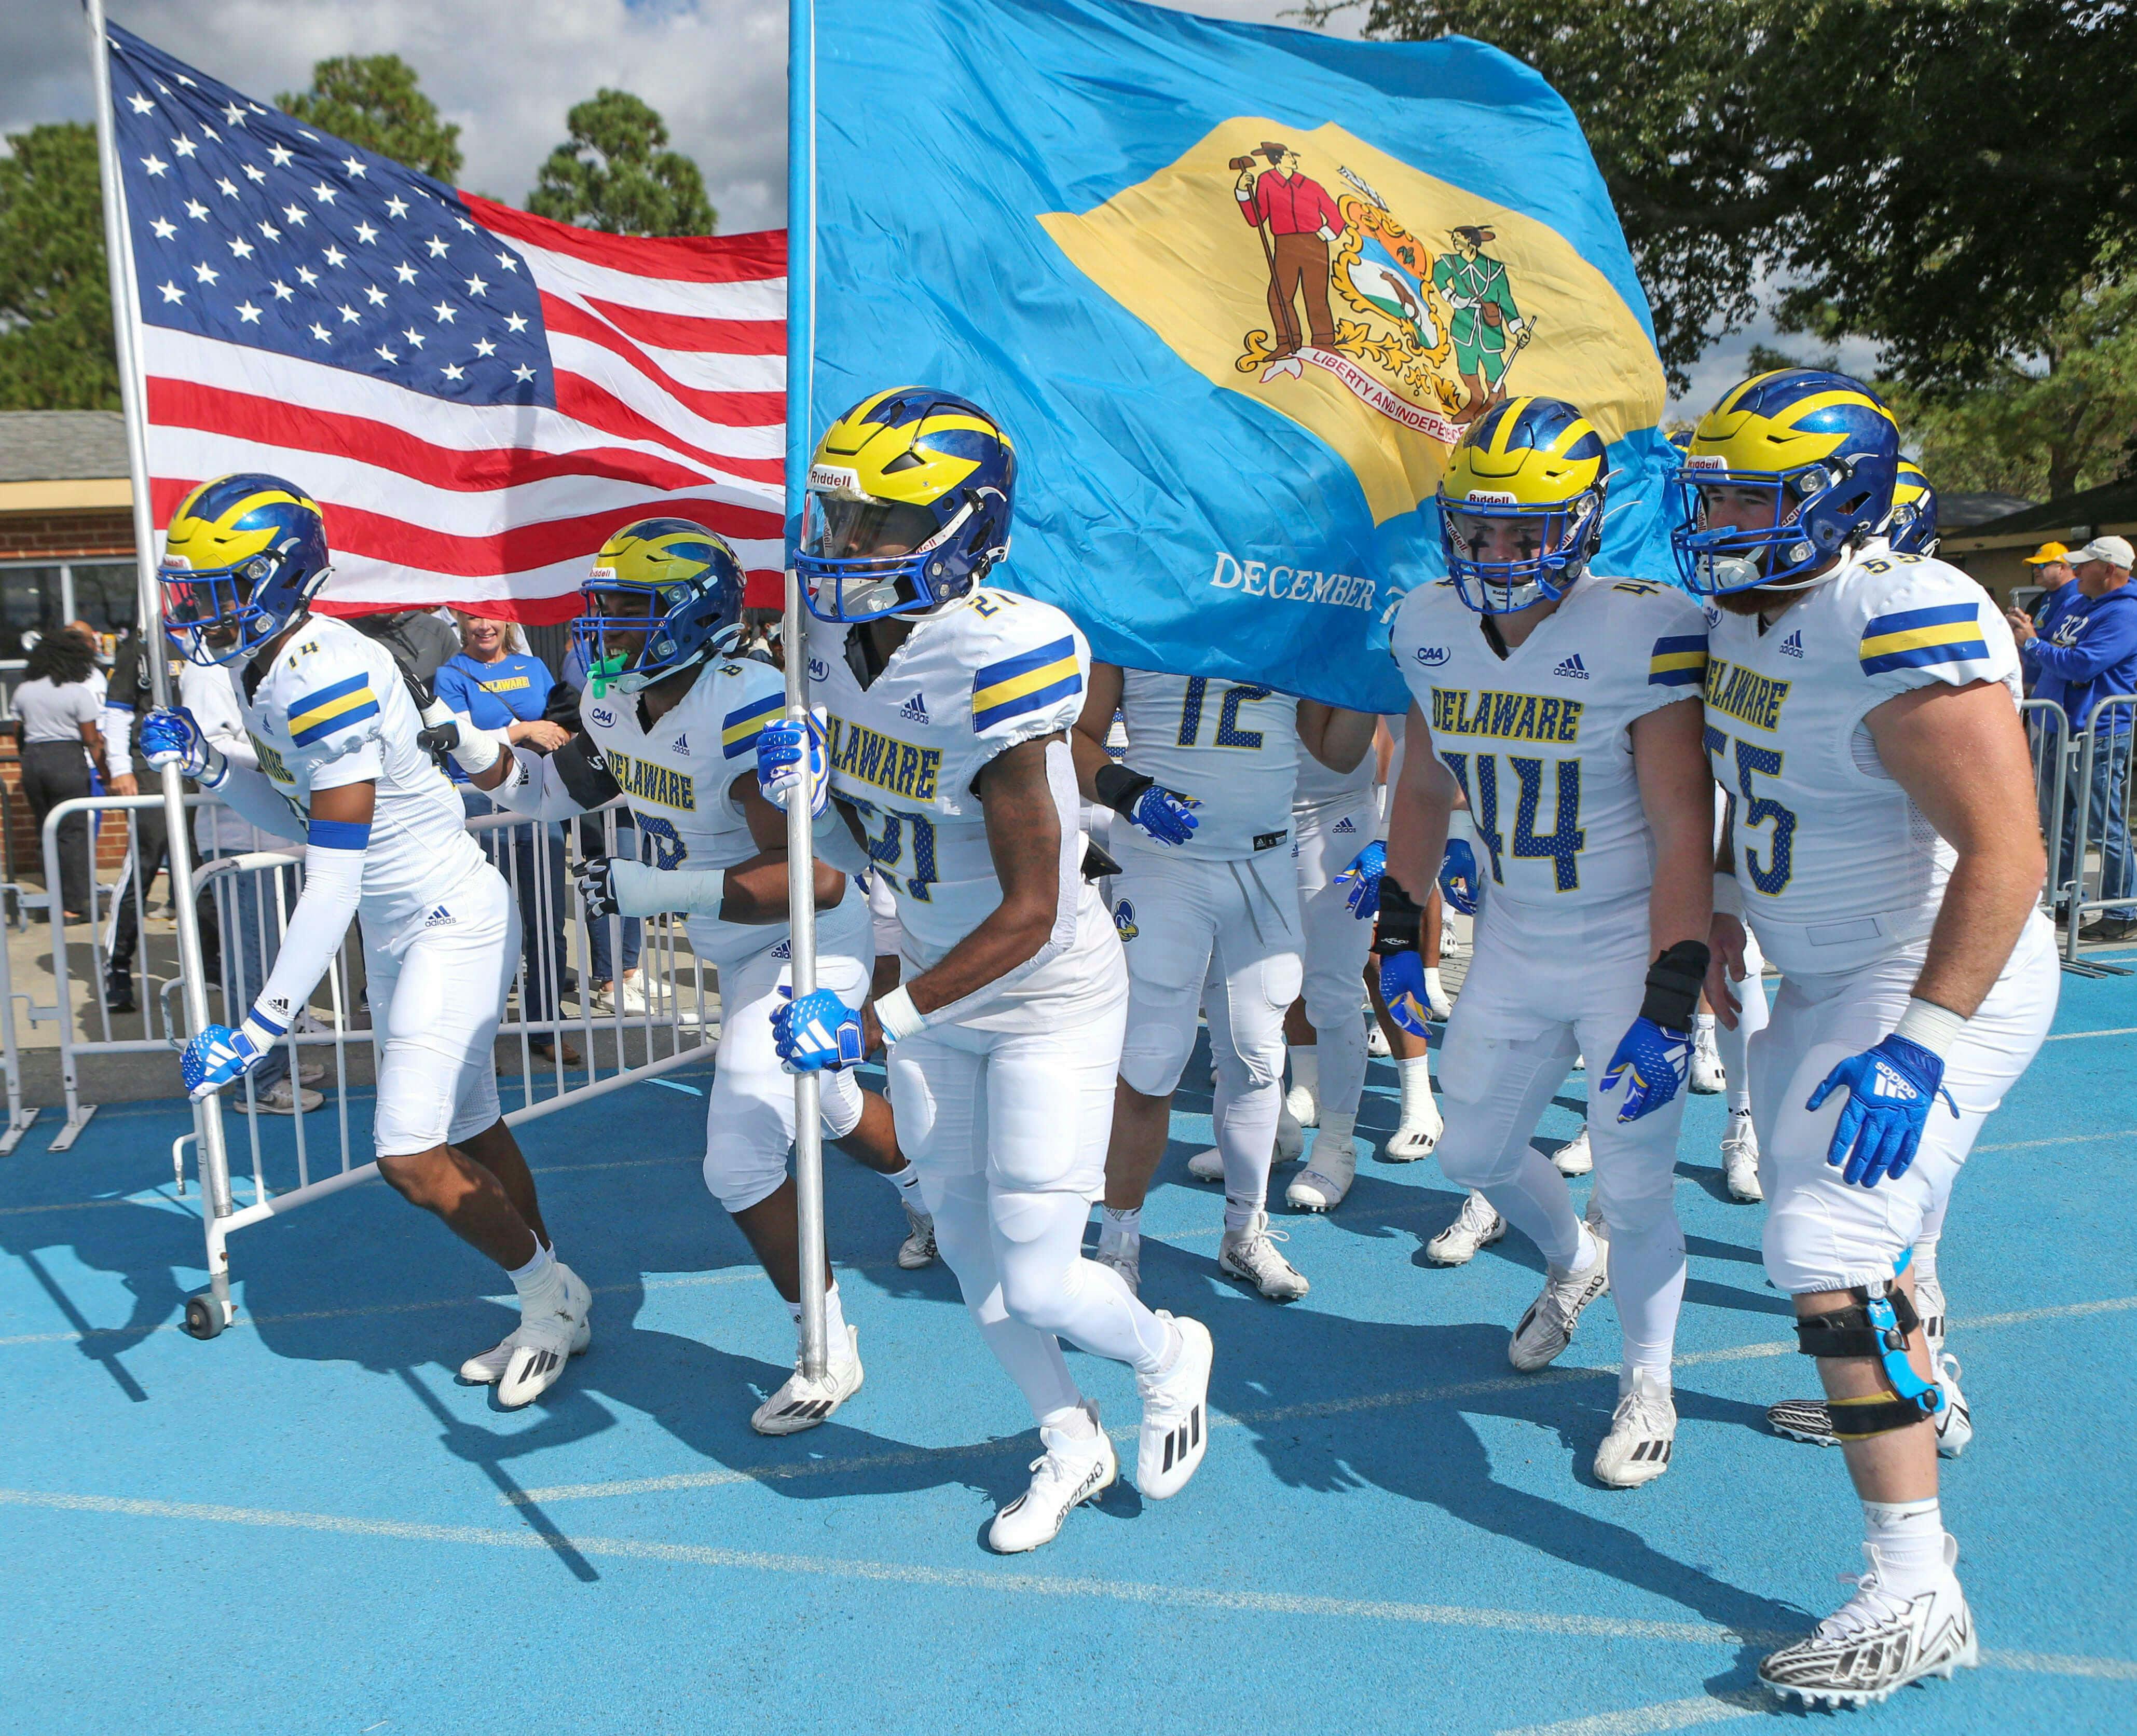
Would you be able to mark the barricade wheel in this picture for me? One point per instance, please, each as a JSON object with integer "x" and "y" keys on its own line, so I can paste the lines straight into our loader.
{"x": 204, "y": 1317}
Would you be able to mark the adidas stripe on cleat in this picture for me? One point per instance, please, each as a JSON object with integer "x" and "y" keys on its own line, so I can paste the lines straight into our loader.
{"x": 1175, "y": 1425}
{"x": 801, "y": 1403}
{"x": 541, "y": 1346}
{"x": 1877, "y": 1642}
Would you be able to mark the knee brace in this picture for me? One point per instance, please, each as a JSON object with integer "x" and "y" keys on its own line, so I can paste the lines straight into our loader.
{"x": 1875, "y": 1324}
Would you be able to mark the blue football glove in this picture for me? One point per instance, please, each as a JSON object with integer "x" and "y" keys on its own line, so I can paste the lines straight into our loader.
{"x": 779, "y": 770}
{"x": 173, "y": 738}
{"x": 1891, "y": 1089}
{"x": 1457, "y": 875}
{"x": 218, "y": 1056}
{"x": 1402, "y": 987}
{"x": 1165, "y": 815}
{"x": 1363, "y": 878}
{"x": 817, "y": 1031}
{"x": 1652, "y": 1064}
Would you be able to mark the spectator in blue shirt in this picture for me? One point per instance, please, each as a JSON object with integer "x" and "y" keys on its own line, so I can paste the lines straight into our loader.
{"x": 497, "y": 688}
{"x": 2089, "y": 653}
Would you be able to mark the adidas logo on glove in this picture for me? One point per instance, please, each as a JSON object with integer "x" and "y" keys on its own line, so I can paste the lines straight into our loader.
{"x": 1573, "y": 668}
{"x": 1891, "y": 1084}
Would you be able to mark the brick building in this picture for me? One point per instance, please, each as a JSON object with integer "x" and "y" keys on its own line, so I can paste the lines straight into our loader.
{"x": 66, "y": 553}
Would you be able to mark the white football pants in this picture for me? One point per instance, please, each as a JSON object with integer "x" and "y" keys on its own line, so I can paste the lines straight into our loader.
{"x": 1009, "y": 1131}
{"x": 1523, "y": 1015}
{"x": 1823, "y": 1234}
{"x": 1334, "y": 947}
{"x": 749, "y": 1111}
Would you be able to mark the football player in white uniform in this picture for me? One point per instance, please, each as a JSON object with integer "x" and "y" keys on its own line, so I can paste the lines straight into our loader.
{"x": 669, "y": 721}
{"x": 1333, "y": 815}
{"x": 1566, "y": 706}
{"x": 948, "y": 704}
{"x": 340, "y": 768}
{"x": 1861, "y": 704}
{"x": 1206, "y": 888}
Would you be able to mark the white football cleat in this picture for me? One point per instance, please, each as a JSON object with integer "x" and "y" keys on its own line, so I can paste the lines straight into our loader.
{"x": 1125, "y": 1259}
{"x": 1877, "y": 1642}
{"x": 801, "y": 1403}
{"x": 1207, "y": 1166}
{"x": 1072, "y": 1471}
{"x": 1708, "y": 1078}
{"x": 1806, "y": 1420}
{"x": 918, "y": 1248}
{"x": 1438, "y": 1004}
{"x": 1929, "y": 1304}
{"x": 1326, "y": 1178}
{"x": 1740, "y": 1158}
{"x": 1954, "y": 1421}
{"x": 1547, "y": 1328}
{"x": 1251, "y": 1255}
{"x": 1642, "y": 1431}
{"x": 1175, "y": 1423}
{"x": 1376, "y": 1039}
{"x": 1419, "y": 1127}
{"x": 545, "y": 1344}
{"x": 1302, "y": 1104}
{"x": 1477, "y": 1224}
{"x": 1574, "y": 1158}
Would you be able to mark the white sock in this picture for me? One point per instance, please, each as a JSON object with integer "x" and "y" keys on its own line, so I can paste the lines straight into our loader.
{"x": 1433, "y": 988}
{"x": 1589, "y": 1251}
{"x": 1909, "y": 1539}
{"x": 1072, "y": 1423}
{"x": 1306, "y": 1068}
{"x": 539, "y": 1280}
{"x": 907, "y": 1182}
{"x": 1117, "y": 1227}
{"x": 1702, "y": 1025}
{"x": 1340, "y": 1067}
{"x": 1336, "y": 1134}
{"x": 1418, "y": 1110}
{"x": 838, "y": 1342}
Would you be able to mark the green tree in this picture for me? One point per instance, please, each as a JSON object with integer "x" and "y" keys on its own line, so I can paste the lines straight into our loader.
{"x": 55, "y": 346}
{"x": 616, "y": 173}
{"x": 372, "y": 100}
{"x": 1931, "y": 174}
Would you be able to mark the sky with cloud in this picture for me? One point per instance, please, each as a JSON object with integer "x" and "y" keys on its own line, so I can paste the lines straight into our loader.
{"x": 507, "y": 71}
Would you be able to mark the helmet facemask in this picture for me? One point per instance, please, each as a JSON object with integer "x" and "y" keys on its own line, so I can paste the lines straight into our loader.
{"x": 865, "y": 559}
{"x": 224, "y": 616}
{"x": 631, "y": 637}
{"x": 1806, "y": 516}
{"x": 1505, "y": 556}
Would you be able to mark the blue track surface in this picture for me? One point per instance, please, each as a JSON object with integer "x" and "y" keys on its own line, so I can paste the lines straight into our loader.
{"x": 306, "y": 1525}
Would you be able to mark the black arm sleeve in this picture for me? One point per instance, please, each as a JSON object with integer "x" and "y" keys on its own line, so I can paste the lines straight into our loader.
{"x": 584, "y": 773}
{"x": 1402, "y": 918}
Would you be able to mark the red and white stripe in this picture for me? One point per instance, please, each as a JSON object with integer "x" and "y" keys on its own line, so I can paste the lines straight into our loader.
{"x": 669, "y": 362}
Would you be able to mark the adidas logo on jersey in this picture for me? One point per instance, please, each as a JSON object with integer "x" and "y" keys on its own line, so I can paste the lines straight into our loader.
{"x": 1573, "y": 668}
{"x": 784, "y": 949}
{"x": 681, "y": 744}
{"x": 1346, "y": 824}
{"x": 1792, "y": 647}
{"x": 914, "y": 710}
{"x": 441, "y": 918}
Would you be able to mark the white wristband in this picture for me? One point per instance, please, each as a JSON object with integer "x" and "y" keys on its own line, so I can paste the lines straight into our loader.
{"x": 1935, "y": 1028}
{"x": 898, "y": 1016}
{"x": 1728, "y": 896}
{"x": 477, "y": 750}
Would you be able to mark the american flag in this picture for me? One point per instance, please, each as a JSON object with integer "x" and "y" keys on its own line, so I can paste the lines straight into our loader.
{"x": 475, "y": 396}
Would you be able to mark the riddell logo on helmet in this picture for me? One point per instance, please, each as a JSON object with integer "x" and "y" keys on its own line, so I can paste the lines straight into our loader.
{"x": 1492, "y": 497}
{"x": 602, "y": 575}
{"x": 832, "y": 476}
{"x": 1706, "y": 462}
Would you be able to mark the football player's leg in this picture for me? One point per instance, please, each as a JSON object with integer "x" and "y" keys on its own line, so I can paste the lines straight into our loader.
{"x": 1418, "y": 1126}
{"x": 1336, "y": 944}
{"x": 937, "y": 1091}
{"x": 1740, "y": 1140}
{"x": 1257, "y": 957}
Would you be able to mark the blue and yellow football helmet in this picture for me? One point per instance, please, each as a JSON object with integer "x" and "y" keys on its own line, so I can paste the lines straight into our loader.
{"x": 1529, "y": 475}
{"x": 1823, "y": 451}
{"x": 1912, "y": 529}
{"x": 243, "y": 558}
{"x": 911, "y": 493}
{"x": 674, "y": 588}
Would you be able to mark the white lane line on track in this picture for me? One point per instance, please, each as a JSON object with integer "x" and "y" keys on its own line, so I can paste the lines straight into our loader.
{"x": 2120, "y": 1132}
{"x": 1449, "y": 1393}
{"x": 1672, "y": 1714}
{"x": 1187, "y": 1597}
{"x": 2072, "y": 1036}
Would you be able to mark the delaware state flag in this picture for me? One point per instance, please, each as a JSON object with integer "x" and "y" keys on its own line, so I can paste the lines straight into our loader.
{"x": 1233, "y": 292}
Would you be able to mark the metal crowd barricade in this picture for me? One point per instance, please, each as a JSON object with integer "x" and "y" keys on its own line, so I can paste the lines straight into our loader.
{"x": 2097, "y": 819}
{"x": 671, "y": 1021}
{"x": 2048, "y": 738}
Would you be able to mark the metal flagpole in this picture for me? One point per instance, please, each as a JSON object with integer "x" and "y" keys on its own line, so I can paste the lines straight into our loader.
{"x": 205, "y": 1316}
{"x": 801, "y": 843}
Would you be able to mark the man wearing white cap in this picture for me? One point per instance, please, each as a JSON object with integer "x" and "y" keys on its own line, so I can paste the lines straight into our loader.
{"x": 2089, "y": 652}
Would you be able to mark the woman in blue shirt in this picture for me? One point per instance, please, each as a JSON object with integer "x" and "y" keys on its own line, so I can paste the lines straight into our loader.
{"x": 497, "y": 688}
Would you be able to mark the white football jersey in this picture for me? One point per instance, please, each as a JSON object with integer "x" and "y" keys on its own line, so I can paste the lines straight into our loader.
{"x": 971, "y": 681}
{"x": 1539, "y": 740}
{"x": 1321, "y": 790}
{"x": 1838, "y": 867}
{"x": 1232, "y": 746}
{"x": 332, "y": 709}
